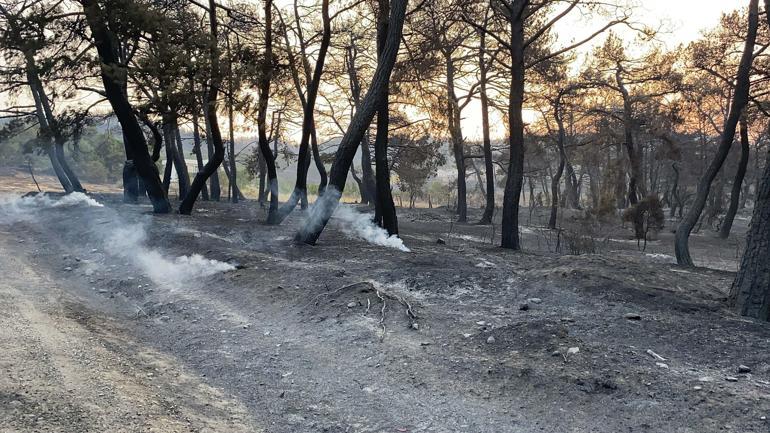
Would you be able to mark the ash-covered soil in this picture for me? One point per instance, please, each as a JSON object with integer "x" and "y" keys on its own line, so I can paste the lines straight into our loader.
{"x": 106, "y": 331}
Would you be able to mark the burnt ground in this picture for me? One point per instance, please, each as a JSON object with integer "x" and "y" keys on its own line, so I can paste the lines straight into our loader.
{"x": 320, "y": 339}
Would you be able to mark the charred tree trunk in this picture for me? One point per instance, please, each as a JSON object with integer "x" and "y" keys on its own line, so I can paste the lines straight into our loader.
{"x": 740, "y": 100}
{"x": 214, "y": 185}
{"x": 556, "y": 179}
{"x": 735, "y": 194}
{"x": 369, "y": 186}
{"x": 197, "y": 151}
{"x": 213, "y": 134}
{"x": 113, "y": 75}
{"x": 489, "y": 168}
{"x": 267, "y": 159}
{"x": 385, "y": 209}
{"x": 455, "y": 132}
{"x": 750, "y": 292}
{"x": 322, "y": 211}
{"x": 510, "y": 224}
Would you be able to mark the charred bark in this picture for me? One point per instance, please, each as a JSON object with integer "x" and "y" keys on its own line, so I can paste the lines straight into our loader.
{"x": 113, "y": 74}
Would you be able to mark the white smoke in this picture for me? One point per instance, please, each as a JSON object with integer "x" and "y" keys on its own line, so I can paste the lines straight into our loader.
{"x": 129, "y": 242}
{"x": 14, "y": 208}
{"x": 360, "y": 225}
{"x": 119, "y": 238}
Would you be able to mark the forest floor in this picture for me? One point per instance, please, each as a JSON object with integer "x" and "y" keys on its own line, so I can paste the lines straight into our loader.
{"x": 105, "y": 330}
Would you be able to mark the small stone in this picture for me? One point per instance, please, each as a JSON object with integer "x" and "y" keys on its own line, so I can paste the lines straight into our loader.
{"x": 490, "y": 340}
{"x": 481, "y": 323}
{"x": 633, "y": 316}
{"x": 731, "y": 379}
{"x": 351, "y": 304}
{"x": 440, "y": 241}
{"x": 573, "y": 350}
{"x": 524, "y": 307}
{"x": 68, "y": 268}
{"x": 555, "y": 353}
{"x": 697, "y": 388}
{"x": 534, "y": 300}
{"x": 661, "y": 364}
{"x": 744, "y": 369}
{"x": 415, "y": 326}
{"x": 763, "y": 418}
{"x": 467, "y": 335}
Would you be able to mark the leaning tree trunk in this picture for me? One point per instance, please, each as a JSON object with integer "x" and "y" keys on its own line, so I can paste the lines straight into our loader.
{"x": 510, "y": 224}
{"x": 113, "y": 73}
{"x": 740, "y": 100}
{"x": 322, "y": 211}
{"x": 50, "y": 150}
{"x": 735, "y": 194}
{"x": 215, "y": 137}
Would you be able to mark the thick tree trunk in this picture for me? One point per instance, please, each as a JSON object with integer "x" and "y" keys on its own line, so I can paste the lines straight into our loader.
{"x": 385, "y": 209}
{"x": 322, "y": 211}
{"x": 735, "y": 194}
{"x": 212, "y": 124}
{"x": 740, "y": 100}
{"x": 113, "y": 74}
{"x": 750, "y": 291}
{"x": 510, "y": 224}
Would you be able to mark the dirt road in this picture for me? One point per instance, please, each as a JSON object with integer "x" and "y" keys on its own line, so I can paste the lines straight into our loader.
{"x": 352, "y": 337}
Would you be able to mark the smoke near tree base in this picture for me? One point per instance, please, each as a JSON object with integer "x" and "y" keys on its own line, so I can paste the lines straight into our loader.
{"x": 117, "y": 238}
{"x": 360, "y": 225}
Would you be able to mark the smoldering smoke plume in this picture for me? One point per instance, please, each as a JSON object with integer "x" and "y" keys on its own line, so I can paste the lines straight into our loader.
{"x": 130, "y": 242}
{"x": 360, "y": 225}
{"x": 351, "y": 222}
{"x": 119, "y": 238}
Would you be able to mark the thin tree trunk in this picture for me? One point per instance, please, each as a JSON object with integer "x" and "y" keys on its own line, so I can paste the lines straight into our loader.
{"x": 740, "y": 100}
{"x": 300, "y": 186}
{"x": 556, "y": 179}
{"x": 455, "y": 132}
{"x": 268, "y": 158}
{"x": 489, "y": 168}
{"x": 212, "y": 123}
{"x": 735, "y": 194}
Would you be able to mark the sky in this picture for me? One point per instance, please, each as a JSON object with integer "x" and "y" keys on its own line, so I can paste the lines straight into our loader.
{"x": 679, "y": 22}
